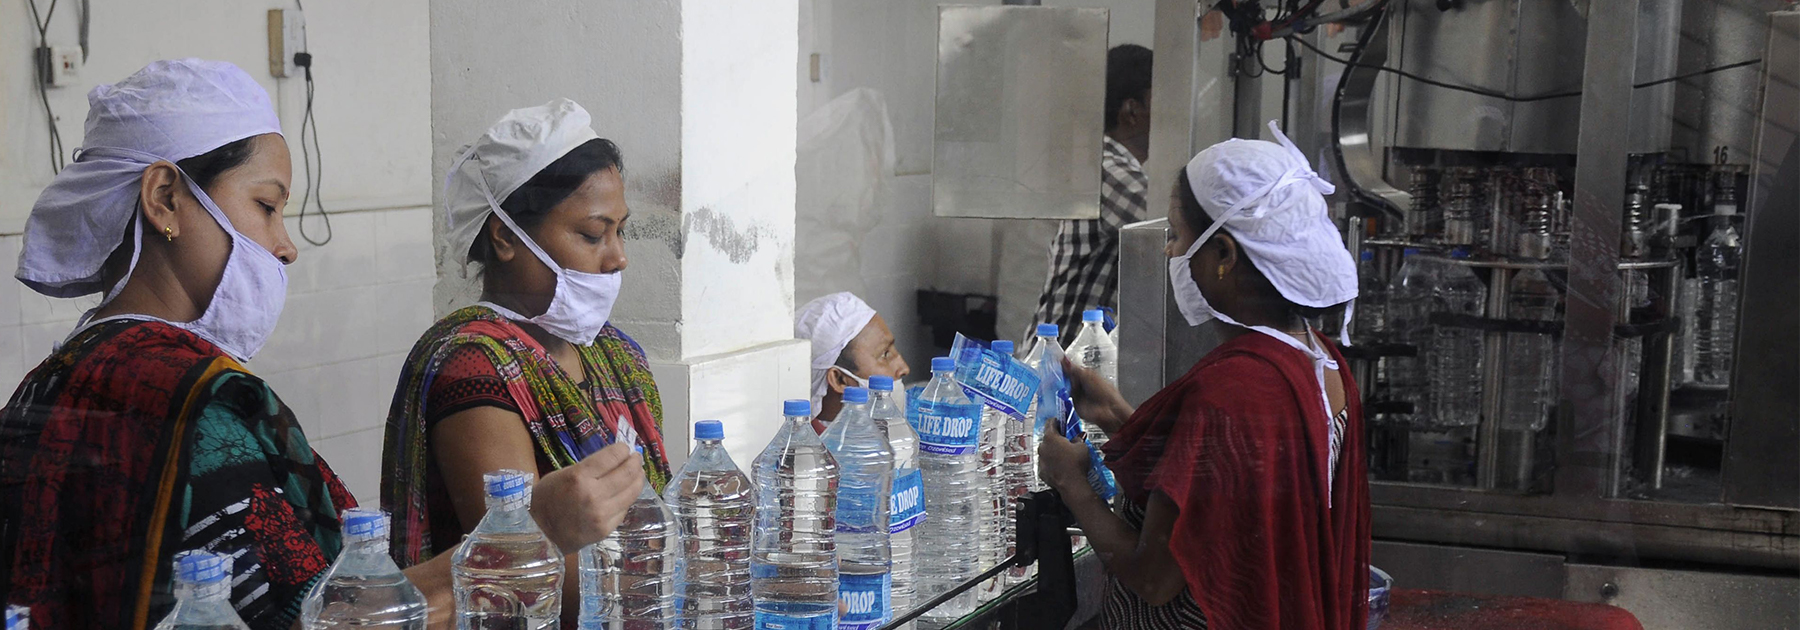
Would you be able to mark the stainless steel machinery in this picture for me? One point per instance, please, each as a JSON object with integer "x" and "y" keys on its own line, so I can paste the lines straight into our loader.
{"x": 1621, "y": 150}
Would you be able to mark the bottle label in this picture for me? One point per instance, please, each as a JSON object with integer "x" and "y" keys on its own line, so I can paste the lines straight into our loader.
{"x": 994, "y": 377}
{"x": 768, "y": 620}
{"x": 906, "y": 505}
{"x": 863, "y": 600}
{"x": 856, "y": 507}
{"x": 945, "y": 428}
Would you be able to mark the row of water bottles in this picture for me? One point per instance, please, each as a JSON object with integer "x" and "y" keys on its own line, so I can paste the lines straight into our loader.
{"x": 1443, "y": 381}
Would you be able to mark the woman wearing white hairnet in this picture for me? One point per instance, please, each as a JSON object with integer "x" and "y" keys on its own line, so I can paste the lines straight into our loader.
{"x": 1244, "y": 498}
{"x": 532, "y": 377}
{"x": 143, "y": 434}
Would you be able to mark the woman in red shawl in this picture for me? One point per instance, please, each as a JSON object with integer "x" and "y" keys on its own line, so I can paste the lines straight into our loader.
{"x": 1244, "y": 501}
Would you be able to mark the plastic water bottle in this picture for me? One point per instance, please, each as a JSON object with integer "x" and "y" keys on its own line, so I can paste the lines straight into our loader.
{"x": 1454, "y": 360}
{"x": 202, "y": 594}
{"x": 714, "y": 507}
{"x": 793, "y": 563}
{"x": 1094, "y": 350}
{"x": 1371, "y": 306}
{"x": 1716, "y": 269}
{"x": 18, "y": 618}
{"x": 364, "y": 588}
{"x": 1409, "y": 311}
{"x": 906, "y": 503}
{"x": 992, "y": 497}
{"x": 628, "y": 578}
{"x": 1044, "y": 347}
{"x": 1015, "y": 479}
{"x": 507, "y": 574}
{"x": 1531, "y": 358}
{"x": 865, "y": 491}
{"x": 949, "y": 427}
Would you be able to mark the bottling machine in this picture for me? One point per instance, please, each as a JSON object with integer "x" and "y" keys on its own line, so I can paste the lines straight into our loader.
{"x": 1613, "y": 416}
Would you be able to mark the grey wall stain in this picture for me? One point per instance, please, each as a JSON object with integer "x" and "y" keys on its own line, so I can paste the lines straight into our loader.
{"x": 661, "y": 220}
{"x": 719, "y": 230}
{"x": 658, "y": 224}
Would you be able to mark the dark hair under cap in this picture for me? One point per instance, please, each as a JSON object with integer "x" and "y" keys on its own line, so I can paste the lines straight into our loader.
{"x": 533, "y": 200}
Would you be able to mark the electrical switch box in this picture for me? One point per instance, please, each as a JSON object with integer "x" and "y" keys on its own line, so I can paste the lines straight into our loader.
{"x": 59, "y": 66}
{"x": 287, "y": 36}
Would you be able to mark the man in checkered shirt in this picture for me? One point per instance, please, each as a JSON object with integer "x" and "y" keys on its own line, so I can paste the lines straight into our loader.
{"x": 1084, "y": 258}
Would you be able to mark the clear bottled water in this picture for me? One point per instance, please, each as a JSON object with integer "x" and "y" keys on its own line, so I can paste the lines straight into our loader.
{"x": 992, "y": 501}
{"x": 1454, "y": 358}
{"x": 18, "y": 618}
{"x": 1371, "y": 305}
{"x": 1409, "y": 312}
{"x": 364, "y": 588}
{"x": 628, "y": 578}
{"x": 202, "y": 594}
{"x": 1024, "y": 446}
{"x": 507, "y": 574}
{"x": 714, "y": 506}
{"x": 793, "y": 562}
{"x": 949, "y": 427}
{"x": 865, "y": 491}
{"x": 1715, "y": 312}
{"x": 1015, "y": 479}
{"x": 906, "y": 503}
{"x": 1094, "y": 349}
{"x": 1530, "y": 374}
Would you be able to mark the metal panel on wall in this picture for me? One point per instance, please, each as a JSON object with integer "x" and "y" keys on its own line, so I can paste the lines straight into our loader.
{"x": 1020, "y": 111}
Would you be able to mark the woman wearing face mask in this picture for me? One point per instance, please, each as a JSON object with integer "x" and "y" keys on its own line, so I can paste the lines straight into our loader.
{"x": 143, "y": 434}
{"x": 531, "y": 377}
{"x": 1244, "y": 501}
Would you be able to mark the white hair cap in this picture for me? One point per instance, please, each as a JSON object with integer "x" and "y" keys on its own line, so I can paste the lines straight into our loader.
{"x": 830, "y": 322}
{"x": 510, "y": 153}
{"x": 1273, "y": 204}
{"x": 170, "y": 110}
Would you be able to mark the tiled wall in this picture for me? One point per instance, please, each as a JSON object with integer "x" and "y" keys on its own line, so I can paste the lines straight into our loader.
{"x": 354, "y": 308}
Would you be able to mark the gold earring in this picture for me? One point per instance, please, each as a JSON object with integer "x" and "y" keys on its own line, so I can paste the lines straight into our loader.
{"x": 1221, "y": 272}
{"x": 169, "y": 233}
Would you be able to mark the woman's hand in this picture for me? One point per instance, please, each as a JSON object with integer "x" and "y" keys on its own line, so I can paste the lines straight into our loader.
{"x": 1096, "y": 400}
{"x": 579, "y": 505}
{"x": 1063, "y": 464}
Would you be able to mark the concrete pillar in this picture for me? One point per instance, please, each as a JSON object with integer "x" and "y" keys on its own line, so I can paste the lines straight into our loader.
{"x": 700, "y": 96}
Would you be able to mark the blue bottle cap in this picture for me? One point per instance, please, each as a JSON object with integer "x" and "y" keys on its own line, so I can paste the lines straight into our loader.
{"x": 942, "y": 364}
{"x": 856, "y": 395}
{"x": 1368, "y": 254}
{"x": 362, "y": 524}
{"x": 506, "y": 483}
{"x": 1459, "y": 253}
{"x": 797, "y": 408}
{"x": 1409, "y": 251}
{"x": 1093, "y": 315}
{"x": 201, "y": 567}
{"x": 709, "y": 430}
{"x": 1002, "y": 346}
{"x": 881, "y": 383}
{"x": 1048, "y": 330}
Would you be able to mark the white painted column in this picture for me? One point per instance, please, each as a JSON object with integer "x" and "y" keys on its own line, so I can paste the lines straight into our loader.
{"x": 700, "y": 97}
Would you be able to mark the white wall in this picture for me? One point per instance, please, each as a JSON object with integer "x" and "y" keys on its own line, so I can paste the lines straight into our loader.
{"x": 891, "y": 47}
{"x": 354, "y": 305}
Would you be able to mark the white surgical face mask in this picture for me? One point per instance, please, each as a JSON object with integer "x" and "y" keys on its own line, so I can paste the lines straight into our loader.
{"x": 251, "y": 292}
{"x": 1187, "y": 292}
{"x": 583, "y": 301}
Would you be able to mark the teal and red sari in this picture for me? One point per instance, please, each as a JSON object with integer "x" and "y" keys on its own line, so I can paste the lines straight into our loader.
{"x": 567, "y": 420}
{"x": 136, "y": 440}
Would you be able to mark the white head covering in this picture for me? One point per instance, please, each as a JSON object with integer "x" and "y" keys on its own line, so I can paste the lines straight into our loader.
{"x": 170, "y": 110}
{"x": 830, "y": 323}
{"x": 1273, "y": 204}
{"x": 503, "y": 159}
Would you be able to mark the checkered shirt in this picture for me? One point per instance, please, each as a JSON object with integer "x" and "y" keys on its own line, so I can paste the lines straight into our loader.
{"x": 1084, "y": 258}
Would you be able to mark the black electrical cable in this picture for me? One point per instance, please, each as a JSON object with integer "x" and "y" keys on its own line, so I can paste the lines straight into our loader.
{"x": 42, "y": 22}
{"x": 1508, "y": 97}
{"x": 310, "y": 153}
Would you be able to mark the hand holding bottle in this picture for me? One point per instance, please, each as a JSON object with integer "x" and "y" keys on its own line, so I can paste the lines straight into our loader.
{"x": 1097, "y": 401}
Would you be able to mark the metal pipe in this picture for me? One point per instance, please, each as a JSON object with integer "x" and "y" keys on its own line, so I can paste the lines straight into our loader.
{"x": 1493, "y": 356}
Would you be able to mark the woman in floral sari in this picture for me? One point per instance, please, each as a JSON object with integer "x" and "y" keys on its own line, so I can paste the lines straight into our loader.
{"x": 532, "y": 377}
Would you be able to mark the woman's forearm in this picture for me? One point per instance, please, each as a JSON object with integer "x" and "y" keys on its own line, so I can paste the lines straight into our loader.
{"x": 433, "y": 579}
{"x": 1143, "y": 569}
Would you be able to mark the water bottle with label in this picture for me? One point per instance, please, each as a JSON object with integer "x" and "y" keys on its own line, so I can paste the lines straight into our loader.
{"x": 364, "y": 588}
{"x": 865, "y": 486}
{"x": 714, "y": 506}
{"x": 906, "y": 503}
{"x": 1094, "y": 350}
{"x": 202, "y": 594}
{"x": 949, "y": 426}
{"x": 793, "y": 562}
{"x": 507, "y": 574}
{"x": 628, "y": 578}
{"x": 1002, "y": 495}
